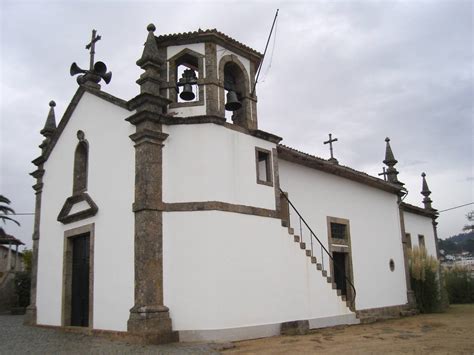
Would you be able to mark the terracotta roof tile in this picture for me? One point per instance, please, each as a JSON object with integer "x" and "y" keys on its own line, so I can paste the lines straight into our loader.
{"x": 200, "y": 32}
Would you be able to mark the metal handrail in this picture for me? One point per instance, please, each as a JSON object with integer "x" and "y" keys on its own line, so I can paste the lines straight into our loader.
{"x": 322, "y": 246}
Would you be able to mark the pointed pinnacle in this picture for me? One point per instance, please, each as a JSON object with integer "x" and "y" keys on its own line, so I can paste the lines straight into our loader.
{"x": 425, "y": 191}
{"x": 389, "y": 158}
{"x": 50, "y": 125}
{"x": 150, "y": 52}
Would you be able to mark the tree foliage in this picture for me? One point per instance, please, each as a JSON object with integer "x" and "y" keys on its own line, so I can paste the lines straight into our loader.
{"x": 6, "y": 210}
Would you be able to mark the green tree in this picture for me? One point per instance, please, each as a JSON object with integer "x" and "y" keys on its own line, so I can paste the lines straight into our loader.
{"x": 5, "y": 210}
{"x": 470, "y": 218}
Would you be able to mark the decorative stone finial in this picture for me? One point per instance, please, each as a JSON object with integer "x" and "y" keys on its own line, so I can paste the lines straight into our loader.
{"x": 150, "y": 55}
{"x": 425, "y": 191}
{"x": 151, "y": 28}
{"x": 390, "y": 161}
{"x": 50, "y": 125}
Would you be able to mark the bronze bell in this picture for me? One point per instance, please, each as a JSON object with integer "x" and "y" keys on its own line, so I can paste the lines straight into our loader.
{"x": 233, "y": 103}
{"x": 187, "y": 94}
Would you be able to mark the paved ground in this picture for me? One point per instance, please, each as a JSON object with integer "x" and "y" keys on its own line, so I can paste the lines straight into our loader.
{"x": 18, "y": 339}
{"x": 446, "y": 333}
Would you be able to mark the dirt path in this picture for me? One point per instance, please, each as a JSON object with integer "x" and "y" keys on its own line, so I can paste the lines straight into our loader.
{"x": 450, "y": 332}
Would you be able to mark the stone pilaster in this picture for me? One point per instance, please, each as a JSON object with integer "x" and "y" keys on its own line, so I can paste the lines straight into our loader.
{"x": 30, "y": 317}
{"x": 212, "y": 87}
{"x": 48, "y": 131}
{"x": 410, "y": 294}
{"x": 149, "y": 317}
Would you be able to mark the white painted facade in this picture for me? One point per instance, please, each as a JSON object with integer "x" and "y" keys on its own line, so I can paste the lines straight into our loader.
{"x": 227, "y": 270}
{"x": 223, "y": 271}
{"x": 417, "y": 225}
{"x": 111, "y": 186}
{"x": 374, "y": 229}
{"x": 208, "y": 162}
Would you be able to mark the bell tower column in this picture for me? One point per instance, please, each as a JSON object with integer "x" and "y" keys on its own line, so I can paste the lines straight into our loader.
{"x": 149, "y": 317}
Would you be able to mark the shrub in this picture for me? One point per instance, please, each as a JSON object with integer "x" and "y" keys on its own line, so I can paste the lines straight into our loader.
{"x": 22, "y": 288}
{"x": 460, "y": 285}
{"x": 424, "y": 280}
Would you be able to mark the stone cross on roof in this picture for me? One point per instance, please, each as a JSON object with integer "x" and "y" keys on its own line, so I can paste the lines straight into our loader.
{"x": 91, "y": 46}
{"x": 330, "y": 141}
{"x": 384, "y": 173}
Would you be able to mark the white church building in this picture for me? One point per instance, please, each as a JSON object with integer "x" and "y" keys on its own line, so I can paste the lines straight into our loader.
{"x": 157, "y": 217}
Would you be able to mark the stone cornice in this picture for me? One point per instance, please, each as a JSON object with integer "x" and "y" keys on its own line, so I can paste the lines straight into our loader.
{"x": 432, "y": 213}
{"x": 219, "y": 206}
{"x": 145, "y": 99}
{"x": 213, "y": 36}
{"x": 70, "y": 110}
{"x": 295, "y": 156}
{"x": 148, "y": 136}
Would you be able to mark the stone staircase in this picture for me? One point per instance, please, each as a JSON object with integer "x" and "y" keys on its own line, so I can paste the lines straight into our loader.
{"x": 319, "y": 267}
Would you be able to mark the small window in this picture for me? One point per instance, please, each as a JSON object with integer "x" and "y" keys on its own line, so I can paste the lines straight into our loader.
{"x": 391, "y": 264}
{"x": 421, "y": 241}
{"x": 264, "y": 169}
{"x": 338, "y": 231}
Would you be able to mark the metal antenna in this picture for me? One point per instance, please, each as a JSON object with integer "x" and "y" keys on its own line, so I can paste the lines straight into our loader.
{"x": 264, "y": 52}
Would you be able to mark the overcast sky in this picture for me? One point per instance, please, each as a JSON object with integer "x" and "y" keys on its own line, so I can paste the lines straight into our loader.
{"x": 361, "y": 70}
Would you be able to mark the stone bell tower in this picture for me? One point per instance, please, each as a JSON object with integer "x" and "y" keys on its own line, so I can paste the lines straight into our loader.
{"x": 206, "y": 73}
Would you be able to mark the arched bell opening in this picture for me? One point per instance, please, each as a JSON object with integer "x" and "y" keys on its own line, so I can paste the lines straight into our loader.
{"x": 186, "y": 73}
{"x": 234, "y": 97}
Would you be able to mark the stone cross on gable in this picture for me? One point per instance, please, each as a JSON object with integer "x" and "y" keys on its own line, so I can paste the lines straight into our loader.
{"x": 384, "y": 173}
{"x": 91, "y": 46}
{"x": 330, "y": 141}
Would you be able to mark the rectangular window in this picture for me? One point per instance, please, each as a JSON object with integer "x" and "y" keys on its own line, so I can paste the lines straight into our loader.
{"x": 264, "y": 167}
{"x": 421, "y": 241}
{"x": 338, "y": 231}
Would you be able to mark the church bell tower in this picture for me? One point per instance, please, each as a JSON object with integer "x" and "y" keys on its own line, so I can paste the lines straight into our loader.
{"x": 207, "y": 73}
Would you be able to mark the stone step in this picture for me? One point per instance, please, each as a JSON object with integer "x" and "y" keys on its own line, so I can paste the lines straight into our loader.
{"x": 308, "y": 252}
{"x": 344, "y": 298}
{"x": 325, "y": 273}
{"x": 313, "y": 260}
{"x": 319, "y": 266}
{"x": 296, "y": 238}
{"x": 329, "y": 279}
{"x": 303, "y": 245}
{"x": 291, "y": 231}
{"x": 339, "y": 292}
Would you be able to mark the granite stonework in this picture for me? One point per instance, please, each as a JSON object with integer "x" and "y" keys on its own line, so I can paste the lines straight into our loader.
{"x": 149, "y": 317}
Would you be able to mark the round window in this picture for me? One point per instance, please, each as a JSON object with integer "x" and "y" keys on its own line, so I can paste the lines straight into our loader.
{"x": 392, "y": 265}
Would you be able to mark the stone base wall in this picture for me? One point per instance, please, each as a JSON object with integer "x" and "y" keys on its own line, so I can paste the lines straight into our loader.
{"x": 373, "y": 314}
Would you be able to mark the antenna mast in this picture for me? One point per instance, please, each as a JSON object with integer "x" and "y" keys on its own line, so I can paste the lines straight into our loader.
{"x": 266, "y": 46}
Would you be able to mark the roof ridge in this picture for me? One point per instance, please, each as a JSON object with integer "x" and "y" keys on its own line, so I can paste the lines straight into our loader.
{"x": 326, "y": 161}
{"x": 208, "y": 31}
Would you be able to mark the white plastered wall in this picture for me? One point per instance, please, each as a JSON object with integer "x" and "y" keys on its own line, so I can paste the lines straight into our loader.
{"x": 374, "y": 228}
{"x": 111, "y": 186}
{"x": 208, "y": 162}
{"x": 420, "y": 225}
{"x": 227, "y": 270}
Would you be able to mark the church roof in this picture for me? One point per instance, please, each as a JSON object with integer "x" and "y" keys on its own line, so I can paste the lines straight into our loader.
{"x": 298, "y": 157}
{"x": 419, "y": 210}
{"x": 212, "y": 35}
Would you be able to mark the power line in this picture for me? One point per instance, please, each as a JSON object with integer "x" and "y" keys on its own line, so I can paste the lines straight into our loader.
{"x": 22, "y": 214}
{"x": 453, "y": 208}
